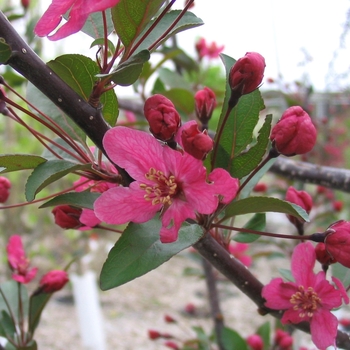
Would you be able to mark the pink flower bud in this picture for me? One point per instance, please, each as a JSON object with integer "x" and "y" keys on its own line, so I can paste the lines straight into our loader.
{"x": 169, "y": 319}
{"x": 162, "y": 117}
{"x": 67, "y": 216}
{"x": 19, "y": 263}
{"x": 323, "y": 256}
{"x": 25, "y": 3}
{"x": 294, "y": 133}
{"x": 153, "y": 334}
{"x": 304, "y": 200}
{"x": 197, "y": 144}
{"x": 247, "y": 73}
{"x": 53, "y": 281}
{"x": 205, "y": 102}
{"x": 260, "y": 187}
{"x": 255, "y": 342}
{"x": 5, "y": 186}
{"x": 170, "y": 344}
{"x": 337, "y": 242}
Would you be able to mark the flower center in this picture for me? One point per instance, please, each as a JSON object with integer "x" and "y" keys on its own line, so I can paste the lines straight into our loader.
{"x": 163, "y": 189}
{"x": 306, "y": 301}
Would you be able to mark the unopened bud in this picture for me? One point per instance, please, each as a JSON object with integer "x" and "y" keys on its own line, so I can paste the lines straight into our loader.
{"x": 162, "y": 117}
{"x": 53, "y": 281}
{"x": 294, "y": 133}
{"x": 255, "y": 342}
{"x": 197, "y": 144}
{"x": 205, "y": 102}
{"x": 5, "y": 186}
{"x": 67, "y": 216}
{"x": 337, "y": 242}
{"x": 323, "y": 256}
{"x": 246, "y": 75}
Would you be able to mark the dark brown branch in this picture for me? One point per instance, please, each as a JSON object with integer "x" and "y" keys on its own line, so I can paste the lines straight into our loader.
{"x": 244, "y": 280}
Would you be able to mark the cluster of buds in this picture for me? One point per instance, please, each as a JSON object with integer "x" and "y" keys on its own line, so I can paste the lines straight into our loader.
{"x": 210, "y": 51}
{"x": 165, "y": 123}
{"x": 283, "y": 340}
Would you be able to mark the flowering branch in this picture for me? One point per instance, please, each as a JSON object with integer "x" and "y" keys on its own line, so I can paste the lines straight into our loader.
{"x": 245, "y": 281}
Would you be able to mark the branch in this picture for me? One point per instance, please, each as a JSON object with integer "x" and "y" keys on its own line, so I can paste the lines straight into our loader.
{"x": 335, "y": 178}
{"x": 244, "y": 280}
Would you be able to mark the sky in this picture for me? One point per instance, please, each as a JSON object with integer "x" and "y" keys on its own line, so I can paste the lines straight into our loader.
{"x": 284, "y": 32}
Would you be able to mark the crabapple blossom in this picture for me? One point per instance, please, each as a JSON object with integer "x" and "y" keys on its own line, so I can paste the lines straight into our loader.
{"x": 310, "y": 298}
{"x": 165, "y": 180}
{"x": 210, "y": 51}
{"x": 79, "y": 11}
{"x": 19, "y": 263}
{"x": 294, "y": 133}
{"x": 67, "y": 217}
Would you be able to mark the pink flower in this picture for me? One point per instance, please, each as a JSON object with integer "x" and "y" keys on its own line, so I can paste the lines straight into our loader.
{"x": 5, "y": 186}
{"x": 294, "y": 133}
{"x": 165, "y": 180}
{"x": 238, "y": 251}
{"x": 79, "y": 11}
{"x": 310, "y": 298}
{"x": 53, "y": 281}
{"x": 18, "y": 261}
{"x": 247, "y": 73}
{"x": 211, "y": 51}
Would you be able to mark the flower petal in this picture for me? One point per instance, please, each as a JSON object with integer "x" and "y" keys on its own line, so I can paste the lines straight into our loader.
{"x": 303, "y": 262}
{"x": 278, "y": 293}
{"x": 120, "y": 205}
{"x": 173, "y": 218}
{"x": 134, "y": 150}
{"x": 224, "y": 184}
{"x": 323, "y": 327}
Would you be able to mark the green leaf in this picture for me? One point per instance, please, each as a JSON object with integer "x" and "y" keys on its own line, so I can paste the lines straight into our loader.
{"x": 264, "y": 331}
{"x": 129, "y": 71}
{"x": 257, "y": 223}
{"x": 130, "y": 17}
{"x": 15, "y": 162}
{"x": 75, "y": 199}
{"x": 7, "y": 325}
{"x": 9, "y": 298}
{"x": 101, "y": 42}
{"x": 232, "y": 340}
{"x": 139, "y": 251}
{"x": 5, "y": 51}
{"x": 37, "y": 305}
{"x": 94, "y": 25}
{"x": 173, "y": 79}
{"x": 238, "y": 130}
{"x": 182, "y": 99}
{"x": 79, "y": 72}
{"x": 245, "y": 162}
{"x": 188, "y": 21}
{"x": 264, "y": 204}
{"x": 49, "y": 172}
